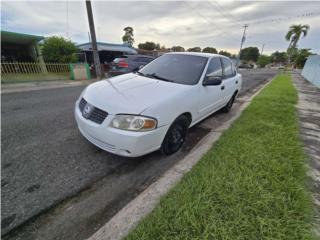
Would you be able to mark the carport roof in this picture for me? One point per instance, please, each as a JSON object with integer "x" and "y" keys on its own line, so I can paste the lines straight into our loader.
{"x": 102, "y": 46}
{"x": 19, "y": 38}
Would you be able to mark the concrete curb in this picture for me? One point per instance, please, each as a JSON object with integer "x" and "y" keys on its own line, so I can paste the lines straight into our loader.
{"x": 308, "y": 108}
{"x": 128, "y": 217}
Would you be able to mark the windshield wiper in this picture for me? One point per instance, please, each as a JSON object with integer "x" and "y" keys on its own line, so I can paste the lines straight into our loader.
{"x": 154, "y": 75}
{"x": 140, "y": 73}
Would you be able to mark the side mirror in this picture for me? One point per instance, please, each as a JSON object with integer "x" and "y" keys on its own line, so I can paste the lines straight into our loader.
{"x": 212, "y": 81}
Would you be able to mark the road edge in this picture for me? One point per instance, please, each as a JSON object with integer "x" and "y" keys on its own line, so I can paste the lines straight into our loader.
{"x": 129, "y": 216}
{"x": 36, "y": 86}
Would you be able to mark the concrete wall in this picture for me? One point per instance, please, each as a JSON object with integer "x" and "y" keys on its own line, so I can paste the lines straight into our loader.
{"x": 311, "y": 70}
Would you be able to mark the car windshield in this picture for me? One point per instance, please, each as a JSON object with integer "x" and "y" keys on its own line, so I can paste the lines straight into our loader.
{"x": 177, "y": 68}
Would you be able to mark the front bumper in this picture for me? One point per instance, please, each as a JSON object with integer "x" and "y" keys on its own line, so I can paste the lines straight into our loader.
{"x": 119, "y": 142}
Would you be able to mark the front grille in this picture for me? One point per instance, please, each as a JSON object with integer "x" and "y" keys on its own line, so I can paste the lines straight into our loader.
{"x": 97, "y": 115}
{"x": 82, "y": 104}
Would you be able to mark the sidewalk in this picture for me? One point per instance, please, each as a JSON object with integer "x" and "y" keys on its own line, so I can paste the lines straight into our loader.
{"x": 40, "y": 85}
{"x": 309, "y": 116}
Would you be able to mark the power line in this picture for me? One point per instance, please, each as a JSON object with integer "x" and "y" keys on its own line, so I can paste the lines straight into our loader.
{"x": 276, "y": 20}
{"x": 223, "y": 12}
{"x": 209, "y": 21}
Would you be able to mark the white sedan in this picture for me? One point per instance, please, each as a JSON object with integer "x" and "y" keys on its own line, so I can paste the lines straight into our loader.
{"x": 137, "y": 113}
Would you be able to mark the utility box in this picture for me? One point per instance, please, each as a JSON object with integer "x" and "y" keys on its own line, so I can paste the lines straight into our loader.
{"x": 80, "y": 71}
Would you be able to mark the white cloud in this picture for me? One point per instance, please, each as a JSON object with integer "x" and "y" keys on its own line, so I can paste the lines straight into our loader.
{"x": 217, "y": 23}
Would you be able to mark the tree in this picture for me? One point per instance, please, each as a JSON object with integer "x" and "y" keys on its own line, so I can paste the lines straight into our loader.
{"x": 209, "y": 50}
{"x": 250, "y": 54}
{"x": 225, "y": 53}
{"x": 300, "y": 57}
{"x": 128, "y": 36}
{"x": 194, "y": 49}
{"x": 263, "y": 60}
{"x": 149, "y": 46}
{"x": 177, "y": 49}
{"x": 59, "y": 50}
{"x": 294, "y": 34}
{"x": 279, "y": 57}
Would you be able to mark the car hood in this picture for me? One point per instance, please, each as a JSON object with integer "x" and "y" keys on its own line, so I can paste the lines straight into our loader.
{"x": 130, "y": 93}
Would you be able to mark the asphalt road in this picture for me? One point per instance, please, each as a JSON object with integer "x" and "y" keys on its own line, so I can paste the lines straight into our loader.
{"x": 51, "y": 173}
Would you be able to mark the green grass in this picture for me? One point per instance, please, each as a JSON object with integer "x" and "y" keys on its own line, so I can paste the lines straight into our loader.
{"x": 250, "y": 185}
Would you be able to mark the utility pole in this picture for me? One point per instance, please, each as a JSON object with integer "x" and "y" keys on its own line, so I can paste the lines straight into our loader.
{"x": 262, "y": 48}
{"x": 96, "y": 58}
{"x": 243, "y": 39}
{"x": 67, "y": 20}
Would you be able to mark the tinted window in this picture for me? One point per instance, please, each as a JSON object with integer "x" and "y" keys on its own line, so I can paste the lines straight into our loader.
{"x": 147, "y": 59}
{"x": 143, "y": 59}
{"x": 228, "y": 70}
{"x": 214, "y": 68}
{"x": 178, "y": 68}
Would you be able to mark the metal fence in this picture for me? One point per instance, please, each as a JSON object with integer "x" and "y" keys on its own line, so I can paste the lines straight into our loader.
{"x": 21, "y": 71}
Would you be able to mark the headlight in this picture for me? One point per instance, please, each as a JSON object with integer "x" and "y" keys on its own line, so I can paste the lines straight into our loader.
{"x": 134, "y": 123}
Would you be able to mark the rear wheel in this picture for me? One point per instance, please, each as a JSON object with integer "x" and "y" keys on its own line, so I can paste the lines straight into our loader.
{"x": 228, "y": 107}
{"x": 175, "y": 136}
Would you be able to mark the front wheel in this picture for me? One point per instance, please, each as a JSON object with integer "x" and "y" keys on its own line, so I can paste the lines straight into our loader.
{"x": 175, "y": 136}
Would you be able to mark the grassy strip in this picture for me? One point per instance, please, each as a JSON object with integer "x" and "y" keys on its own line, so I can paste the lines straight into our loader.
{"x": 250, "y": 185}
{"x": 21, "y": 78}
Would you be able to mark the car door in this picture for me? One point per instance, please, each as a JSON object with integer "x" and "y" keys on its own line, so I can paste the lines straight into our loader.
{"x": 210, "y": 96}
{"x": 229, "y": 83}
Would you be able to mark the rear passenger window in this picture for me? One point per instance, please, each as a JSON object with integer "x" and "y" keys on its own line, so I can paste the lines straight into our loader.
{"x": 227, "y": 67}
{"x": 214, "y": 68}
{"x": 146, "y": 60}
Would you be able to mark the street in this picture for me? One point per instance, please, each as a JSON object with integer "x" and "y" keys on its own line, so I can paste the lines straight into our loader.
{"x": 57, "y": 185}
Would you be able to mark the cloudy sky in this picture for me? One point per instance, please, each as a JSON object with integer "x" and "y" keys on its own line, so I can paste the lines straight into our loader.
{"x": 189, "y": 24}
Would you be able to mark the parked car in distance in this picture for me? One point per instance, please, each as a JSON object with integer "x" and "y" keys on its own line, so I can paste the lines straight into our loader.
{"x": 246, "y": 66}
{"x": 128, "y": 63}
{"x": 137, "y": 113}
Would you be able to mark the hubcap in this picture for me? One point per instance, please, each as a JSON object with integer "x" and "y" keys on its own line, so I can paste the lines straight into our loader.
{"x": 176, "y": 138}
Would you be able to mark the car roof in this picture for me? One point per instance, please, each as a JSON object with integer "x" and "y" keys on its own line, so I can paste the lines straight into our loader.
{"x": 201, "y": 54}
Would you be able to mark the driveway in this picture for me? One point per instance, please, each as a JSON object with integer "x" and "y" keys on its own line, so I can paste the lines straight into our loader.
{"x": 55, "y": 184}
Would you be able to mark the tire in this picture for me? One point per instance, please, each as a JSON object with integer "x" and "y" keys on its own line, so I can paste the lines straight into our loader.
{"x": 228, "y": 107}
{"x": 176, "y": 135}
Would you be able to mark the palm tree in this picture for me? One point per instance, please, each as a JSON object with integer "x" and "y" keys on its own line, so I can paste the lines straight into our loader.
{"x": 294, "y": 34}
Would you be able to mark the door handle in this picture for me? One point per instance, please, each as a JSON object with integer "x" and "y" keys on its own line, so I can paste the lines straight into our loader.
{"x": 222, "y": 87}
{"x": 236, "y": 82}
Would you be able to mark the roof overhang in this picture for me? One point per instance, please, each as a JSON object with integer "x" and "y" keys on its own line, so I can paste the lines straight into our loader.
{"x": 19, "y": 38}
{"x": 108, "y": 47}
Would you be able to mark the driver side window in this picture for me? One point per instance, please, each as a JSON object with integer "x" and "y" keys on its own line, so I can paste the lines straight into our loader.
{"x": 214, "y": 68}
